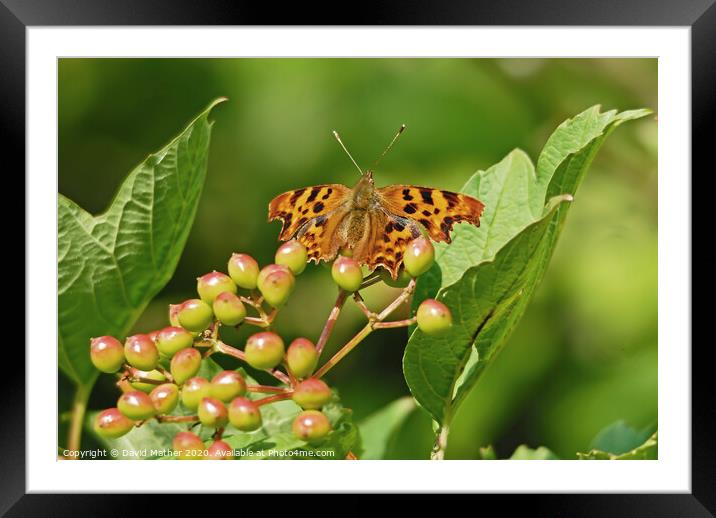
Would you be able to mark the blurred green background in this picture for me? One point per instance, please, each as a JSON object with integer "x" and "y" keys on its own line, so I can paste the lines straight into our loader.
{"x": 585, "y": 354}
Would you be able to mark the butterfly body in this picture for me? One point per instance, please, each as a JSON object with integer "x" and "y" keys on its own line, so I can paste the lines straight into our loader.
{"x": 373, "y": 225}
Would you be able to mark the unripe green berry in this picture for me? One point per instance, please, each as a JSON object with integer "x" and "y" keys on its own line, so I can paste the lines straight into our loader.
{"x": 311, "y": 426}
{"x": 211, "y": 284}
{"x": 301, "y": 357}
{"x": 193, "y": 391}
{"x": 244, "y": 414}
{"x": 264, "y": 350}
{"x": 111, "y": 423}
{"x": 140, "y": 352}
{"x": 136, "y": 405}
{"x": 212, "y": 413}
{"x": 165, "y": 398}
{"x": 433, "y": 317}
{"x": 185, "y": 364}
{"x": 219, "y": 450}
{"x": 276, "y": 284}
{"x": 400, "y": 282}
{"x": 347, "y": 274}
{"x": 106, "y": 353}
{"x": 311, "y": 394}
{"x": 229, "y": 309}
{"x": 419, "y": 256}
{"x": 292, "y": 254}
{"x": 152, "y": 375}
{"x": 171, "y": 340}
{"x": 195, "y": 315}
{"x": 188, "y": 446}
{"x": 244, "y": 271}
{"x": 226, "y": 385}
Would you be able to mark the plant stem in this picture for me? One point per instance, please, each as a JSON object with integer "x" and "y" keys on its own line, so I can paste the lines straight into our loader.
{"x": 265, "y": 389}
{"x": 177, "y": 418}
{"x": 372, "y": 324}
{"x": 139, "y": 379}
{"x": 361, "y": 304}
{"x": 79, "y": 407}
{"x": 332, "y": 317}
{"x": 440, "y": 446}
{"x": 352, "y": 343}
{"x": 273, "y": 399}
{"x": 239, "y": 354}
{"x": 397, "y": 323}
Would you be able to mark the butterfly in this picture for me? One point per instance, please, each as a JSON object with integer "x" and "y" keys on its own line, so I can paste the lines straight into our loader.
{"x": 372, "y": 225}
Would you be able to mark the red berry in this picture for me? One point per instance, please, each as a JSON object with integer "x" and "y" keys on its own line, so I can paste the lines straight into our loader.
{"x": 301, "y": 357}
{"x": 419, "y": 256}
{"x": 264, "y": 350}
{"x": 171, "y": 340}
{"x": 136, "y": 405}
{"x": 212, "y": 413}
{"x": 165, "y": 398}
{"x": 193, "y": 391}
{"x": 195, "y": 315}
{"x": 311, "y": 394}
{"x": 292, "y": 254}
{"x": 226, "y": 385}
{"x": 106, "y": 353}
{"x": 346, "y": 273}
{"x": 244, "y": 271}
{"x": 211, "y": 284}
{"x": 185, "y": 364}
{"x": 276, "y": 283}
{"x": 311, "y": 426}
{"x": 141, "y": 352}
{"x": 229, "y": 309}
{"x": 433, "y": 317}
{"x": 188, "y": 446}
{"x": 244, "y": 414}
{"x": 219, "y": 450}
{"x": 111, "y": 423}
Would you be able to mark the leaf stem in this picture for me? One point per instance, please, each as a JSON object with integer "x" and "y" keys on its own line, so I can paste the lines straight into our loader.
{"x": 79, "y": 407}
{"x": 440, "y": 445}
{"x": 396, "y": 323}
{"x": 350, "y": 345}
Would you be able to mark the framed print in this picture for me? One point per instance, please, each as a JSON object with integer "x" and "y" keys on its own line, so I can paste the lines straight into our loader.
{"x": 452, "y": 258}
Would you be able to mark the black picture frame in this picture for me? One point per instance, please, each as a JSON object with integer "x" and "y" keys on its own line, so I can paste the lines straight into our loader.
{"x": 700, "y": 15}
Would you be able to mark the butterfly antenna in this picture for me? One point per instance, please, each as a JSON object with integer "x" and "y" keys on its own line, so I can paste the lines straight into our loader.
{"x": 402, "y": 128}
{"x": 338, "y": 138}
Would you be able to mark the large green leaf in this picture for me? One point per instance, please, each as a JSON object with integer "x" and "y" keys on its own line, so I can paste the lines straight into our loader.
{"x": 379, "y": 429}
{"x": 273, "y": 441}
{"x": 111, "y": 265}
{"x": 488, "y": 274}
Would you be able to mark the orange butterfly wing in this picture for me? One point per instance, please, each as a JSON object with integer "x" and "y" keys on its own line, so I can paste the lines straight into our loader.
{"x": 388, "y": 238}
{"x": 434, "y": 209}
{"x": 296, "y": 208}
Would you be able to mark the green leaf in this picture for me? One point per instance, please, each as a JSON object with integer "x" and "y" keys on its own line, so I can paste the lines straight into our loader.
{"x": 649, "y": 450}
{"x": 488, "y": 274}
{"x": 274, "y": 440}
{"x": 379, "y": 429}
{"x": 524, "y": 452}
{"x": 618, "y": 438}
{"x": 111, "y": 265}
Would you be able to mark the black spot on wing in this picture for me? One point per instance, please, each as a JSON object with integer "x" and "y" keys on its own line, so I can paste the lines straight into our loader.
{"x": 427, "y": 196}
{"x": 410, "y": 208}
{"x": 314, "y": 193}
{"x": 406, "y": 195}
{"x": 318, "y": 207}
{"x": 296, "y": 195}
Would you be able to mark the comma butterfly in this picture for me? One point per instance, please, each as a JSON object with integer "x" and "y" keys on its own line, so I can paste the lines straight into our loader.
{"x": 373, "y": 225}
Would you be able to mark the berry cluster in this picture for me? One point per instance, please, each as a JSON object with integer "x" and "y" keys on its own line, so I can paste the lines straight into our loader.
{"x": 159, "y": 370}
